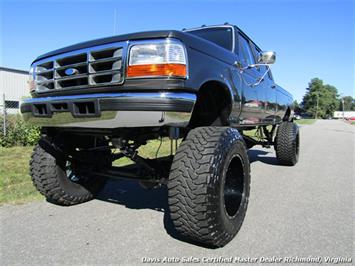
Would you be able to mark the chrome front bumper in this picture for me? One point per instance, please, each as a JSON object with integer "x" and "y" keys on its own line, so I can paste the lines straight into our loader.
{"x": 110, "y": 110}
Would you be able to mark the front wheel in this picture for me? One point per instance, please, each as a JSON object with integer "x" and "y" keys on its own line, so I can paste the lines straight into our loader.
{"x": 209, "y": 185}
{"x": 60, "y": 180}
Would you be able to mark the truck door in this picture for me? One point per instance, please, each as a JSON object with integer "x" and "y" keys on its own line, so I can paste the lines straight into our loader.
{"x": 267, "y": 85}
{"x": 271, "y": 107}
{"x": 253, "y": 96}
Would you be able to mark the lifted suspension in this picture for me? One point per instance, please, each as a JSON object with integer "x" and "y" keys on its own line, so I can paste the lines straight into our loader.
{"x": 130, "y": 151}
{"x": 150, "y": 170}
{"x": 264, "y": 137}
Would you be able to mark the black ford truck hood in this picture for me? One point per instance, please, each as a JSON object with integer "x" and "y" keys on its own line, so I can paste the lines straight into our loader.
{"x": 118, "y": 38}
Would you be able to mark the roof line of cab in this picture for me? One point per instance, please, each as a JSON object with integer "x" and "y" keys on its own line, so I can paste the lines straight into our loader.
{"x": 226, "y": 25}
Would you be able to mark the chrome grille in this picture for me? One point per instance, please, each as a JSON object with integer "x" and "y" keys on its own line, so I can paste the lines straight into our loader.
{"x": 97, "y": 66}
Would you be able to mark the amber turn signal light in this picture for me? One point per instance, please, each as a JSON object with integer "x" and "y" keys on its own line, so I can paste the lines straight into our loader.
{"x": 149, "y": 70}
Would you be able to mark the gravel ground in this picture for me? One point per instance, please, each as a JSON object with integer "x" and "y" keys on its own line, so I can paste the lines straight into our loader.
{"x": 305, "y": 211}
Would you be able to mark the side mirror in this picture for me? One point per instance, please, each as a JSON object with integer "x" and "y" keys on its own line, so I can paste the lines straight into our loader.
{"x": 267, "y": 57}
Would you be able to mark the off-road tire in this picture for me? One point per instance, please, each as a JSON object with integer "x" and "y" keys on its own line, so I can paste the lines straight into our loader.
{"x": 287, "y": 143}
{"x": 197, "y": 183}
{"x": 50, "y": 179}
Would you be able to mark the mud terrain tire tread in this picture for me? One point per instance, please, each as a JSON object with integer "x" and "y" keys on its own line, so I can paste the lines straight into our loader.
{"x": 195, "y": 182}
{"x": 286, "y": 143}
{"x": 51, "y": 181}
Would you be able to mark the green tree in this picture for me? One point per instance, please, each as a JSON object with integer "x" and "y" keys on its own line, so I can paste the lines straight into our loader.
{"x": 320, "y": 99}
{"x": 349, "y": 104}
{"x": 296, "y": 107}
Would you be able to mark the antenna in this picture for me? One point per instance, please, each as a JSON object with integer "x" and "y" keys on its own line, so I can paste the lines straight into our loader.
{"x": 115, "y": 21}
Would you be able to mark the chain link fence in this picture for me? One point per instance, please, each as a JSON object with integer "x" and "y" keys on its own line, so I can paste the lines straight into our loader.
{"x": 13, "y": 130}
{"x": 8, "y": 107}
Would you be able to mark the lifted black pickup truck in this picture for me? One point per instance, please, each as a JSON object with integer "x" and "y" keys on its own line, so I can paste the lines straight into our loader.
{"x": 207, "y": 86}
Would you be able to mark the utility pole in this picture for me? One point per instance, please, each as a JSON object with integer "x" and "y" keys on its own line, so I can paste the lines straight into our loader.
{"x": 342, "y": 102}
{"x": 317, "y": 105}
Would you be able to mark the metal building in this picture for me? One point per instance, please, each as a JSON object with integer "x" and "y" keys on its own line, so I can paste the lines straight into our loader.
{"x": 13, "y": 88}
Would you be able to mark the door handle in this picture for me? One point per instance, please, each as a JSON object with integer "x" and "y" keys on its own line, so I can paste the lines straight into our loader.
{"x": 273, "y": 86}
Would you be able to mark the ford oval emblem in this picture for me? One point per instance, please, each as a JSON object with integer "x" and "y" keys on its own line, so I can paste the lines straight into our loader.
{"x": 71, "y": 71}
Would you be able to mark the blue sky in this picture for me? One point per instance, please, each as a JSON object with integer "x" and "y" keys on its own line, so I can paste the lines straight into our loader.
{"x": 312, "y": 38}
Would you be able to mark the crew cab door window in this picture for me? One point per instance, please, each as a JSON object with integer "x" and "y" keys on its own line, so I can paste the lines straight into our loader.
{"x": 245, "y": 52}
{"x": 256, "y": 52}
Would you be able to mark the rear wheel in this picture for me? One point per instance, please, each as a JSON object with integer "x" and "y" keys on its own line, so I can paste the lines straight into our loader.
{"x": 209, "y": 186}
{"x": 62, "y": 180}
{"x": 287, "y": 143}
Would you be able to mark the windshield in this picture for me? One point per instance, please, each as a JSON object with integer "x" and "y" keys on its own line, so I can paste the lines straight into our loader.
{"x": 221, "y": 36}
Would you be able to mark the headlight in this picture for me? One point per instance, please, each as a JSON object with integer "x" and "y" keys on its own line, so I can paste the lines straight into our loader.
{"x": 31, "y": 80}
{"x": 165, "y": 58}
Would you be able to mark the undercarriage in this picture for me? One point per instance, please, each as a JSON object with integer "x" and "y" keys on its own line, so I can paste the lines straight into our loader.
{"x": 262, "y": 135}
{"x": 84, "y": 149}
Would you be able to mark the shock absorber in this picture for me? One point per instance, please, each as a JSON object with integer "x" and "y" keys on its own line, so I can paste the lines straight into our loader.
{"x": 174, "y": 134}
